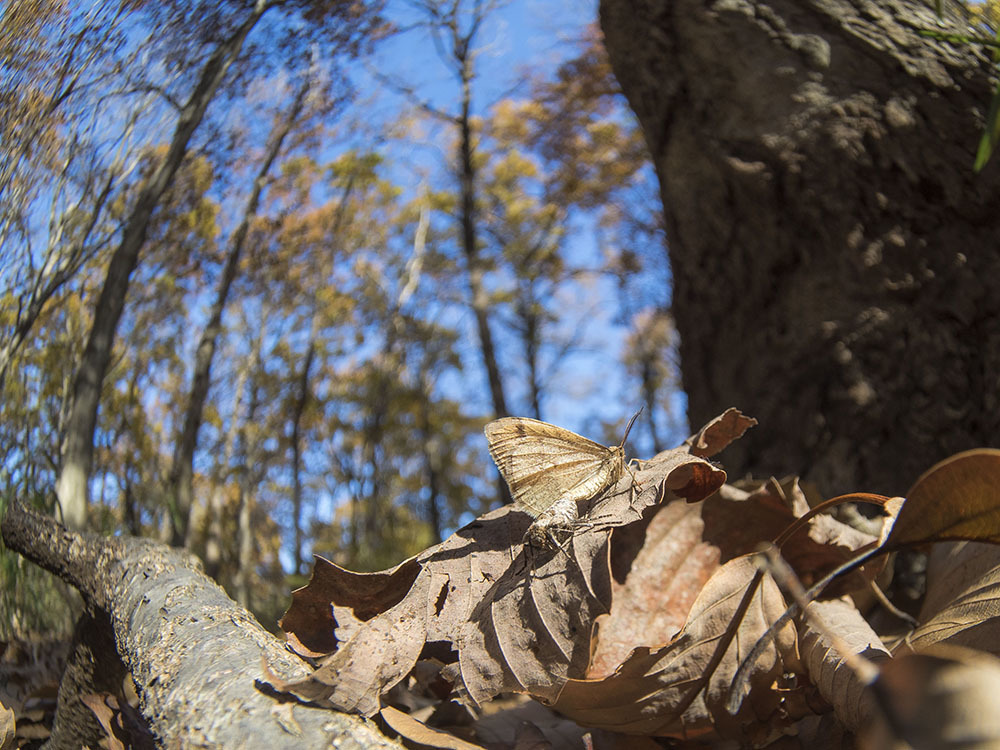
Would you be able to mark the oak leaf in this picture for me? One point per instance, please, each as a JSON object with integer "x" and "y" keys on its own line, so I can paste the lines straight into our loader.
{"x": 680, "y": 688}
{"x": 508, "y": 617}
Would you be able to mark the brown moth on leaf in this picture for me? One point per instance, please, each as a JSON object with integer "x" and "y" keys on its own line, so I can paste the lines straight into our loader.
{"x": 472, "y": 603}
{"x": 550, "y": 469}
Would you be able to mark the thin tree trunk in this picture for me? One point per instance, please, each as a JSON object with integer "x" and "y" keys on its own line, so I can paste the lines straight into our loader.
{"x": 213, "y": 540}
{"x": 529, "y": 335}
{"x": 78, "y": 443}
{"x": 180, "y": 492}
{"x": 431, "y": 462}
{"x": 302, "y": 397}
{"x": 835, "y": 261}
{"x": 48, "y": 283}
{"x": 244, "y": 559}
{"x": 374, "y": 435}
{"x": 298, "y": 410}
{"x": 480, "y": 300}
{"x": 650, "y": 397}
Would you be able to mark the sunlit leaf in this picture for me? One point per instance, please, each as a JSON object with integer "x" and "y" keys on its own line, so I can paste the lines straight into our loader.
{"x": 958, "y": 498}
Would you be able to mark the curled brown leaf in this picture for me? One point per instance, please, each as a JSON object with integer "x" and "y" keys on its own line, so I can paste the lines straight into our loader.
{"x": 680, "y": 689}
{"x": 956, "y": 499}
{"x": 949, "y": 697}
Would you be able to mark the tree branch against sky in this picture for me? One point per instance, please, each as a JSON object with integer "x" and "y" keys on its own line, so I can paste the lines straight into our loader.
{"x": 181, "y": 489}
{"x": 78, "y": 444}
{"x": 396, "y": 373}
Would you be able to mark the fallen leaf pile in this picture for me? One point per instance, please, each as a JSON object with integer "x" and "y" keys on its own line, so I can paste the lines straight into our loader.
{"x": 637, "y": 625}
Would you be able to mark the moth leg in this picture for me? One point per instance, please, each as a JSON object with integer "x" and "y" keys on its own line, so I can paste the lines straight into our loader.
{"x": 544, "y": 537}
{"x": 635, "y": 482}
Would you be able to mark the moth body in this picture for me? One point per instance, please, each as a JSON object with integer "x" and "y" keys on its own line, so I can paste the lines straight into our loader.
{"x": 559, "y": 517}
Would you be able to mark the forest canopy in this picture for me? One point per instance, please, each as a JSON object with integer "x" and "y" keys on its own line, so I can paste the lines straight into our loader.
{"x": 331, "y": 269}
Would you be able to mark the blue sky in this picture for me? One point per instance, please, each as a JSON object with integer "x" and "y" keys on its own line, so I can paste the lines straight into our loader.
{"x": 521, "y": 35}
{"x": 589, "y": 387}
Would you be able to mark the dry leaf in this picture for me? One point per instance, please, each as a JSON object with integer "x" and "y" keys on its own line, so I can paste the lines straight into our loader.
{"x": 315, "y": 628}
{"x": 823, "y": 733}
{"x": 946, "y": 699}
{"x": 962, "y": 604}
{"x": 530, "y": 737}
{"x": 719, "y": 433}
{"x": 660, "y": 566}
{"x": 7, "y": 728}
{"x": 738, "y": 527}
{"x": 653, "y": 588}
{"x": 680, "y": 689}
{"x": 518, "y": 721}
{"x": 419, "y": 733}
{"x": 957, "y": 499}
{"x": 105, "y": 709}
{"x": 509, "y": 617}
{"x": 836, "y": 681}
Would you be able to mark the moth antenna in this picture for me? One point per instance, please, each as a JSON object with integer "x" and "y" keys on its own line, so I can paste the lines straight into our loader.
{"x": 629, "y": 427}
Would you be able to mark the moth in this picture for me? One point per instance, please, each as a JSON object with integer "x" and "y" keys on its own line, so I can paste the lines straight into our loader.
{"x": 549, "y": 470}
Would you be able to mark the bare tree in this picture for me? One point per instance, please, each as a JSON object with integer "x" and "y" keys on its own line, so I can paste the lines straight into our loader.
{"x": 181, "y": 491}
{"x": 78, "y": 444}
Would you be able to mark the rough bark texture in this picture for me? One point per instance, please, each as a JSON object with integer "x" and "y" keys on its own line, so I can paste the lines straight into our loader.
{"x": 196, "y": 658}
{"x": 835, "y": 259}
{"x": 93, "y": 667}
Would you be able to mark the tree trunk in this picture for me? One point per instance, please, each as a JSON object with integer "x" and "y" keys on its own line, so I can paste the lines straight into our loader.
{"x": 78, "y": 443}
{"x": 197, "y": 660}
{"x": 835, "y": 262}
{"x": 650, "y": 400}
{"x": 298, "y": 411}
{"x": 431, "y": 448}
{"x": 477, "y": 291}
{"x": 214, "y": 545}
{"x": 181, "y": 491}
{"x": 246, "y": 483}
{"x": 528, "y": 317}
{"x": 61, "y": 264}
{"x": 470, "y": 247}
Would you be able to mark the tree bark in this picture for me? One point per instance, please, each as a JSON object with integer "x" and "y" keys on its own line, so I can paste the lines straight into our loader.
{"x": 214, "y": 544}
{"x": 474, "y": 266}
{"x": 93, "y": 667}
{"x": 78, "y": 443}
{"x": 431, "y": 447}
{"x": 181, "y": 491}
{"x": 196, "y": 658}
{"x": 835, "y": 262}
{"x": 650, "y": 400}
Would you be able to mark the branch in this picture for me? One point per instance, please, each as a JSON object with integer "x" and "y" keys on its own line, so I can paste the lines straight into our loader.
{"x": 196, "y": 657}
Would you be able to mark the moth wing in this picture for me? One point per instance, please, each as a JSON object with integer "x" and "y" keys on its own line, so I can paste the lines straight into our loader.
{"x": 542, "y": 463}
